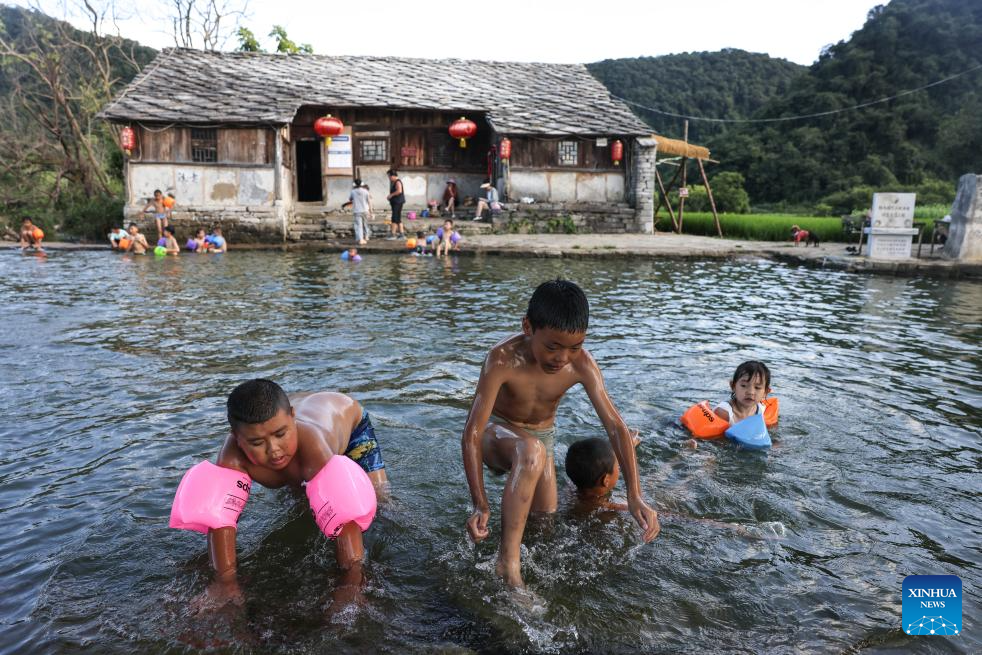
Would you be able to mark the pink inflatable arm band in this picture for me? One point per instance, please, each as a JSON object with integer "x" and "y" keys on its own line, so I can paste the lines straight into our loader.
{"x": 339, "y": 494}
{"x": 209, "y": 496}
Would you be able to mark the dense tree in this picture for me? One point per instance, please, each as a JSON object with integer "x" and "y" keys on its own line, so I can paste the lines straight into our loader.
{"x": 730, "y": 83}
{"x": 909, "y": 142}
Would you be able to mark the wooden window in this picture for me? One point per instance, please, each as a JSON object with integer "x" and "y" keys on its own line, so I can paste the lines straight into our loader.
{"x": 568, "y": 153}
{"x": 373, "y": 150}
{"x": 204, "y": 144}
{"x": 442, "y": 149}
{"x": 412, "y": 148}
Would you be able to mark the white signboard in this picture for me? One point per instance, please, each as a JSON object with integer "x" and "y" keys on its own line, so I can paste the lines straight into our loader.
{"x": 894, "y": 210}
{"x": 602, "y": 142}
{"x": 683, "y": 192}
{"x": 339, "y": 152}
{"x": 889, "y": 246}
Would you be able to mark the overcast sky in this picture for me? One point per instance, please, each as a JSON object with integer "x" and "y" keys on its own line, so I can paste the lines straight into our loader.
{"x": 528, "y": 30}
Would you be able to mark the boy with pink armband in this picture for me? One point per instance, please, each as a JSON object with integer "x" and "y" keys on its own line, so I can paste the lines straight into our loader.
{"x": 323, "y": 441}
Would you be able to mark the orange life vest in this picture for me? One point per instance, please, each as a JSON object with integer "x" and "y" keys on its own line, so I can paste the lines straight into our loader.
{"x": 703, "y": 423}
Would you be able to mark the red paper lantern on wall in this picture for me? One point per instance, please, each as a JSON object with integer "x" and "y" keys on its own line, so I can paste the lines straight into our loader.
{"x": 463, "y": 129}
{"x": 127, "y": 139}
{"x": 504, "y": 148}
{"x": 327, "y": 127}
{"x": 617, "y": 152}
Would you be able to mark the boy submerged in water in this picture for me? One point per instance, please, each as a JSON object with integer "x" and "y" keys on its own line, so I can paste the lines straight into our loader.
{"x": 511, "y": 422}
{"x": 281, "y": 440}
{"x": 592, "y": 467}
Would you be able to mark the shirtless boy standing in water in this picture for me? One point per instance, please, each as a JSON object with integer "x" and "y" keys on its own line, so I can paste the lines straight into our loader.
{"x": 511, "y": 423}
{"x": 284, "y": 440}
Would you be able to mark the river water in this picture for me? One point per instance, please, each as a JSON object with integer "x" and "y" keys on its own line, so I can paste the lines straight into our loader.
{"x": 115, "y": 370}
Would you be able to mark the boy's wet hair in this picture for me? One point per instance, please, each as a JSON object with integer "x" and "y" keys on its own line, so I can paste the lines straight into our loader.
{"x": 588, "y": 461}
{"x": 132, "y": 225}
{"x": 560, "y": 305}
{"x": 419, "y": 234}
{"x": 751, "y": 369}
{"x": 255, "y": 401}
{"x": 169, "y": 230}
{"x": 156, "y": 191}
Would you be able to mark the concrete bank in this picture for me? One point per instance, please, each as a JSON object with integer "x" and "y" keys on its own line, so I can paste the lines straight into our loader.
{"x": 653, "y": 246}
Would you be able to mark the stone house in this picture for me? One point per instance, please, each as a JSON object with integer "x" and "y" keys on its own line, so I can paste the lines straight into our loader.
{"x": 232, "y": 136}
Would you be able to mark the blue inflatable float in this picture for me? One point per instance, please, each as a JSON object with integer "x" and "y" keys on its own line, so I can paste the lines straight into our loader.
{"x": 751, "y": 433}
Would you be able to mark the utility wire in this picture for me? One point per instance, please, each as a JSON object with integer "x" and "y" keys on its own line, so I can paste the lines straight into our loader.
{"x": 802, "y": 116}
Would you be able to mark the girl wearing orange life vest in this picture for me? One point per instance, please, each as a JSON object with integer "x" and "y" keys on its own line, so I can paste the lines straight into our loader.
{"x": 748, "y": 396}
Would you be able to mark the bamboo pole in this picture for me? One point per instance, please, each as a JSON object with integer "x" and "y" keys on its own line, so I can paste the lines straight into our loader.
{"x": 664, "y": 194}
{"x": 665, "y": 197}
{"x": 712, "y": 203}
{"x": 685, "y": 161}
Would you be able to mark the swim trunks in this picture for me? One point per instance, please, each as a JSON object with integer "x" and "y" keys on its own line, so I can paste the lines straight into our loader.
{"x": 546, "y": 435}
{"x": 363, "y": 446}
{"x": 160, "y": 216}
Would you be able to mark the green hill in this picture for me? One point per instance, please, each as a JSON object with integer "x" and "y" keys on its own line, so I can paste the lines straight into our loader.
{"x": 931, "y": 134}
{"x": 728, "y": 84}
{"x": 922, "y": 141}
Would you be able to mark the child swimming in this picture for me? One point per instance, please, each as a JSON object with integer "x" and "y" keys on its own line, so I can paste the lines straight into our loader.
{"x": 137, "y": 242}
{"x": 750, "y": 385}
{"x": 591, "y": 466}
{"x": 170, "y": 241}
{"x": 280, "y": 440}
{"x": 511, "y": 426}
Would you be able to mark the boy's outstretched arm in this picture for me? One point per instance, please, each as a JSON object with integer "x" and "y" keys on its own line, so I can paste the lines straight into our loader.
{"x": 622, "y": 441}
{"x": 484, "y": 396}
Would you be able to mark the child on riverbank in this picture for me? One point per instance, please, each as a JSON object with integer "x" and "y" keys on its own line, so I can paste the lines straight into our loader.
{"x": 447, "y": 238}
{"x": 511, "y": 426}
{"x": 279, "y": 440}
{"x": 156, "y": 204}
{"x": 749, "y": 387}
{"x": 115, "y": 236}
{"x": 30, "y": 235}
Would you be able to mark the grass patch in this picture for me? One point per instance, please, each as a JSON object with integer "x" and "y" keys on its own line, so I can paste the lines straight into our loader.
{"x": 756, "y": 227}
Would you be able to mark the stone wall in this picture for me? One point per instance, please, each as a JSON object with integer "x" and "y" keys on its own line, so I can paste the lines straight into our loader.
{"x": 566, "y": 186}
{"x": 583, "y": 218}
{"x": 965, "y": 232}
{"x": 643, "y": 184}
{"x": 239, "y": 225}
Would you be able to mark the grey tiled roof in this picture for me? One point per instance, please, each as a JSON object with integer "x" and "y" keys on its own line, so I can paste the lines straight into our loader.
{"x": 194, "y": 86}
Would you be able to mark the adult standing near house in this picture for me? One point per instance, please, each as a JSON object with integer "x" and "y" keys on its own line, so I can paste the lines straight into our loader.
{"x": 361, "y": 205}
{"x": 489, "y": 202}
{"x": 397, "y": 198}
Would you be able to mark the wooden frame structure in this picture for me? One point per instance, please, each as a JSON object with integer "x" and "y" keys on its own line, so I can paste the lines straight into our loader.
{"x": 683, "y": 151}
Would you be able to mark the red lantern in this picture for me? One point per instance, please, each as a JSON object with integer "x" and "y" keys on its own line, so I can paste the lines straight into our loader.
{"x": 617, "y": 152}
{"x": 327, "y": 127}
{"x": 127, "y": 139}
{"x": 463, "y": 129}
{"x": 504, "y": 148}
